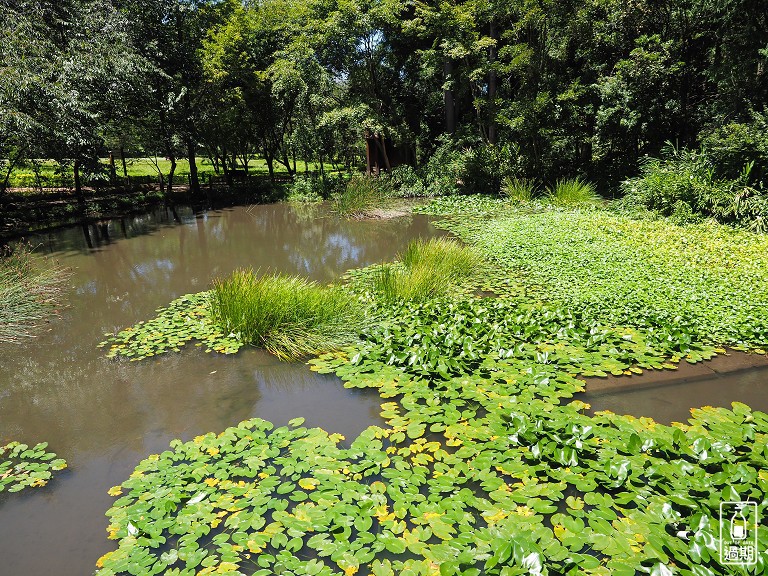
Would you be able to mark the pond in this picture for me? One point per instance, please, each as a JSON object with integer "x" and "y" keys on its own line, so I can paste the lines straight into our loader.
{"x": 105, "y": 416}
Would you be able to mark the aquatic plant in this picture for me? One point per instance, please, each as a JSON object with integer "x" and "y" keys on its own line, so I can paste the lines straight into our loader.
{"x": 22, "y": 466}
{"x": 362, "y": 194}
{"x": 487, "y": 465}
{"x": 490, "y": 471}
{"x": 572, "y": 192}
{"x": 519, "y": 190}
{"x": 428, "y": 268}
{"x": 29, "y": 292}
{"x": 184, "y": 320}
{"x": 289, "y": 316}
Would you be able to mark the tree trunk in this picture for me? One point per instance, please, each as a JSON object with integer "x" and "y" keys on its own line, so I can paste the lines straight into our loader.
{"x": 112, "y": 171}
{"x": 122, "y": 158}
{"x": 194, "y": 182}
{"x": 170, "y": 178}
{"x": 492, "y": 85}
{"x": 448, "y": 99}
{"x": 78, "y": 185}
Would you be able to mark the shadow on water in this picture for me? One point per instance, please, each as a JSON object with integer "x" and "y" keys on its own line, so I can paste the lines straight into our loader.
{"x": 105, "y": 416}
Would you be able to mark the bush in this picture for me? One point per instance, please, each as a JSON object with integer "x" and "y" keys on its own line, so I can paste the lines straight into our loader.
{"x": 683, "y": 183}
{"x": 428, "y": 268}
{"x": 289, "y": 316}
{"x": 361, "y": 194}
{"x": 444, "y": 170}
{"x": 572, "y": 192}
{"x": 731, "y": 147}
{"x": 477, "y": 169}
{"x": 406, "y": 182}
{"x": 314, "y": 188}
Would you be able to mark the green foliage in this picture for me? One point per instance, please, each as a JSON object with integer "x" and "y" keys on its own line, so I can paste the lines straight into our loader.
{"x": 185, "y": 319}
{"x": 287, "y": 315}
{"x": 520, "y": 190}
{"x": 24, "y": 467}
{"x": 732, "y": 146}
{"x": 361, "y": 195}
{"x": 428, "y": 268}
{"x": 684, "y": 183}
{"x": 572, "y": 192}
{"x": 704, "y": 280}
{"x": 314, "y": 189}
{"x": 487, "y": 464}
{"x": 29, "y": 292}
{"x": 406, "y": 182}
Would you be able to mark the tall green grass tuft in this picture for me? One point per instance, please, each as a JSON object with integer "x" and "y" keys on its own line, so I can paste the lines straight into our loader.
{"x": 288, "y": 316}
{"x": 28, "y": 293}
{"x": 572, "y": 192}
{"x": 362, "y": 194}
{"x": 428, "y": 268}
{"x": 520, "y": 190}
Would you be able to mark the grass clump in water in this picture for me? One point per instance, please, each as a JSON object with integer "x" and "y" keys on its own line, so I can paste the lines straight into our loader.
{"x": 519, "y": 190}
{"x": 28, "y": 293}
{"x": 362, "y": 194}
{"x": 428, "y": 268}
{"x": 572, "y": 192}
{"x": 289, "y": 316}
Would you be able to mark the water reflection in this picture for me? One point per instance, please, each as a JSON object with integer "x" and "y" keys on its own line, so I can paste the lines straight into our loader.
{"x": 104, "y": 416}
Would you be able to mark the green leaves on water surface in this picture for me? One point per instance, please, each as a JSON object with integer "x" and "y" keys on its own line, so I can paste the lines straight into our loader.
{"x": 704, "y": 282}
{"x": 185, "y": 319}
{"x": 24, "y": 467}
{"x": 487, "y": 464}
{"x": 492, "y": 475}
{"x": 450, "y": 336}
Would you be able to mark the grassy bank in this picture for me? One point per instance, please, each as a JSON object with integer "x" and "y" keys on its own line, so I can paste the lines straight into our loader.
{"x": 52, "y": 175}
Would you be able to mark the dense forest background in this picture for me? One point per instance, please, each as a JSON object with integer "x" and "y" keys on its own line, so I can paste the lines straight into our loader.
{"x": 537, "y": 89}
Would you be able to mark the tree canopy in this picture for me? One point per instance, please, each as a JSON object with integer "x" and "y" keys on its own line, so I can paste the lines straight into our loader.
{"x": 548, "y": 88}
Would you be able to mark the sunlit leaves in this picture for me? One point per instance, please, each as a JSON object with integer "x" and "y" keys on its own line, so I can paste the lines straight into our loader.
{"x": 185, "y": 319}
{"x": 22, "y": 466}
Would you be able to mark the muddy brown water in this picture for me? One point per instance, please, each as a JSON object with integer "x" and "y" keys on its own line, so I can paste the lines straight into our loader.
{"x": 105, "y": 416}
{"x": 668, "y": 402}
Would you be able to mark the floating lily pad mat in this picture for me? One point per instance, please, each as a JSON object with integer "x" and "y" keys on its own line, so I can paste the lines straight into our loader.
{"x": 23, "y": 466}
{"x": 487, "y": 464}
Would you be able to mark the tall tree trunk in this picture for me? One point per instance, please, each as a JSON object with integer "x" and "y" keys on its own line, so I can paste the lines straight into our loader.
{"x": 122, "y": 158}
{"x": 78, "y": 185}
{"x": 170, "y": 179}
{"x": 112, "y": 171}
{"x": 492, "y": 85}
{"x": 194, "y": 182}
{"x": 448, "y": 99}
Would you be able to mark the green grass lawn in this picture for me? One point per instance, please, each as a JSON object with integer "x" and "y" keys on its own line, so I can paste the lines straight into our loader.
{"x": 51, "y": 175}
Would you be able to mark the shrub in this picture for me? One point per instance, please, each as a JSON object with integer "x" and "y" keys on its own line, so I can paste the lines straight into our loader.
{"x": 572, "y": 192}
{"x": 683, "y": 184}
{"x": 406, "y": 182}
{"x": 731, "y": 147}
{"x": 289, "y": 316}
{"x": 314, "y": 188}
{"x": 428, "y": 268}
